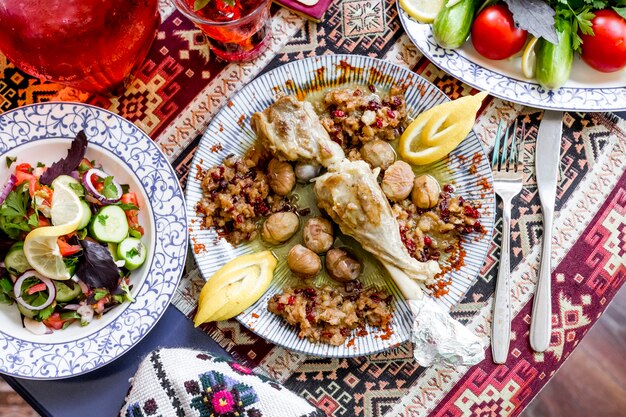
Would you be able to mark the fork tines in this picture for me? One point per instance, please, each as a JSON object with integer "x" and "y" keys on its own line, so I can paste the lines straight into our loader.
{"x": 508, "y": 154}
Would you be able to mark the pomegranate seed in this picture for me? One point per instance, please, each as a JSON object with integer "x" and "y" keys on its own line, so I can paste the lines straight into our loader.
{"x": 428, "y": 241}
{"x": 292, "y": 300}
{"x": 280, "y": 307}
{"x": 375, "y": 298}
{"x": 373, "y": 105}
{"x": 310, "y": 292}
{"x": 372, "y": 88}
{"x": 391, "y": 114}
{"x": 448, "y": 188}
{"x": 356, "y": 93}
{"x": 345, "y": 332}
{"x": 339, "y": 113}
{"x": 478, "y": 227}
{"x": 396, "y": 101}
{"x": 468, "y": 210}
{"x": 379, "y": 123}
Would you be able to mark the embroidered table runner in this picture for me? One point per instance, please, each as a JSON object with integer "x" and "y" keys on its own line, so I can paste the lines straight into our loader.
{"x": 181, "y": 86}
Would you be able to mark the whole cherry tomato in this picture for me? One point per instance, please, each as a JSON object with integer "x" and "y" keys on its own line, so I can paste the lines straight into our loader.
{"x": 494, "y": 34}
{"x": 606, "y": 49}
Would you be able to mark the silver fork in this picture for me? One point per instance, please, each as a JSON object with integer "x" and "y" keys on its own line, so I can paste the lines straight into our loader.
{"x": 507, "y": 169}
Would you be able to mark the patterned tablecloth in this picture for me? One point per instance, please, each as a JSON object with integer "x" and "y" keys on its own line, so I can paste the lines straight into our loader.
{"x": 181, "y": 86}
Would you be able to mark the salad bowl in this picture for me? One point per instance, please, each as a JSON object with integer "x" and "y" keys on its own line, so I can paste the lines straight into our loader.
{"x": 43, "y": 133}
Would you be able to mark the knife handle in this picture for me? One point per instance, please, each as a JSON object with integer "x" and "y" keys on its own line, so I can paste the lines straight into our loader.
{"x": 501, "y": 330}
{"x": 541, "y": 319}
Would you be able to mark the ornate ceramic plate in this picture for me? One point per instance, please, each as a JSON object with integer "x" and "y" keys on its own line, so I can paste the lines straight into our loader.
{"x": 43, "y": 133}
{"x": 230, "y": 133}
{"x": 586, "y": 90}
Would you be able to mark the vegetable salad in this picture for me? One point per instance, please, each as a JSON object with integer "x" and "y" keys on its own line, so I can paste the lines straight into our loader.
{"x": 70, "y": 237}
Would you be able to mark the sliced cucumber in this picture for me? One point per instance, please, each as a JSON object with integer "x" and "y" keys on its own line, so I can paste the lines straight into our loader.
{"x": 66, "y": 293}
{"x": 15, "y": 261}
{"x": 26, "y": 312}
{"x": 113, "y": 249}
{"x": 109, "y": 225}
{"x": 84, "y": 222}
{"x": 133, "y": 252}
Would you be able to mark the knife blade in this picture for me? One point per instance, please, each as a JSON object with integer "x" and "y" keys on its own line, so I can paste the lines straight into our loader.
{"x": 547, "y": 160}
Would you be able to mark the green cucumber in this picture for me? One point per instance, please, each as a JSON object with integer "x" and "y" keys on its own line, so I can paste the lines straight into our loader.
{"x": 554, "y": 62}
{"x": 15, "y": 261}
{"x": 65, "y": 293}
{"x": 109, "y": 225}
{"x": 113, "y": 249}
{"x": 84, "y": 222}
{"x": 453, "y": 25}
{"x": 133, "y": 252}
{"x": 26, "y": 312}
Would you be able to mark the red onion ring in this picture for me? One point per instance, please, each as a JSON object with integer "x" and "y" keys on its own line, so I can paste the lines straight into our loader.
{"x": 17, "y": 290}
{"x": 92, "y": 190}
{"x": 7, "y": 188}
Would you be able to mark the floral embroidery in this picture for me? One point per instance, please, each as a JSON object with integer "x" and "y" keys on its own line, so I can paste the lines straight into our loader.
{"x": 240, "y": 369}
{"x": 150, "y": 407}
{"x": 192, "y": 387}
{"x": 222, "y": 396}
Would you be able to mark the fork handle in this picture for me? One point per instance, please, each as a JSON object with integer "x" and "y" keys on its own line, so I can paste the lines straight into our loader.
{"x": 541, "y": 319}
{"x": 501, "y": 329}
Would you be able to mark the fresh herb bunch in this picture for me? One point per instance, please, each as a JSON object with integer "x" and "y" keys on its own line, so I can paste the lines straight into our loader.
{"x": 543, "y": 18}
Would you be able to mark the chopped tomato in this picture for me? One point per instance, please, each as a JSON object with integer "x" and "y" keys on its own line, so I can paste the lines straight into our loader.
{"x": 85, "y": 165}
{"x": 97, "y": 182}
{"x": 99, "y": 306}
{"x": 23, "y": 177}
{"x": 54, "y": 321}
{"x": 132, "y": 215}
{"x": 43, "y": 221}
{"x": 24, "y": 167}
{"x": 37, "y": 288}
{"x": 66, "y": 249}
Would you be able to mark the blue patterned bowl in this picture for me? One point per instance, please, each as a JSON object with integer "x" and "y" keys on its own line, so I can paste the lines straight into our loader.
{"x": 42, "y": 133}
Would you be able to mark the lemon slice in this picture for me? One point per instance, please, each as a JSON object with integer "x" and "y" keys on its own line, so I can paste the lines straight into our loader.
{"x": 40, "y": 246}
{"x": 437, "y": 131}
{"x": 424, "y": 11}
{"x": 66, "y": 209}
{"x": 529, "y": 59}
{"x": 235, "y": 286}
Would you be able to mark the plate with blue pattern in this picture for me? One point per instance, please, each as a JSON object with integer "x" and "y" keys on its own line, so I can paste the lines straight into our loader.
{"x": 230, "y": 133}
{"x": 587, "y": 90}
{"x": 43, "y": 133}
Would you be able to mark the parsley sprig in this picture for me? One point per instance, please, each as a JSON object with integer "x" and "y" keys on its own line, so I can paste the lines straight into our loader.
{"x": 14, "y": 217}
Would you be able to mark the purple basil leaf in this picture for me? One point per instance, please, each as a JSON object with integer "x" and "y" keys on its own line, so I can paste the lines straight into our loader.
{"x": 66, "y": 165}
{"x": 535, "y": 16}
{"x": 97, "y": 267}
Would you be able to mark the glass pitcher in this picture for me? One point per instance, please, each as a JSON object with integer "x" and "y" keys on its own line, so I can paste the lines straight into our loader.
{"x": 92, "y": 45}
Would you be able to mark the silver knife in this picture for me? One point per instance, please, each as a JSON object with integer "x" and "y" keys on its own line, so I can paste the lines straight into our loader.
{"x": 547, "y": 160}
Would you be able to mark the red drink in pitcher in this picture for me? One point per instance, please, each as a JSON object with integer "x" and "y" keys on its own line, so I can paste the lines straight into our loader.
{"x": 92, "y": 45}
{"x": 237, "y": 30}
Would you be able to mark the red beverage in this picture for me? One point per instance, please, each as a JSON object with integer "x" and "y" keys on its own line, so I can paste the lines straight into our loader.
{"x": 237, "y": 30}
{"x": 92, "y": 45}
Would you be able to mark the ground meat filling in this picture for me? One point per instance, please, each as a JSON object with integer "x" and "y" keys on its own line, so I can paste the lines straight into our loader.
{"x": 353, "y": 116}
{"x": 236, "y": 194}
{"x": 328, "y": 314}
{"x": 429, "y": 233}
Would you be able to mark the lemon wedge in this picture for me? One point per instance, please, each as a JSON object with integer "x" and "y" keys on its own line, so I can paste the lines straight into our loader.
{"x": 529, "y": 58}
{"x": 235, "y": 286}
{"x": 437, "y": 131}
{"x": 424, "y": 11}
{"x": 40, "y": 246}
